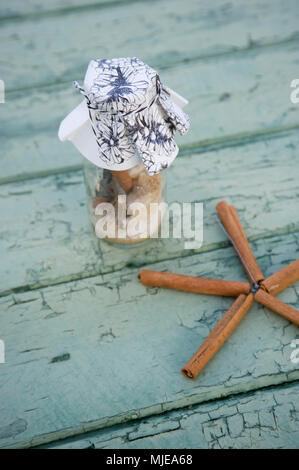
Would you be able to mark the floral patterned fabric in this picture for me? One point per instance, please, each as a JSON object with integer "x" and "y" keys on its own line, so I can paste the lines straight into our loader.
{"x": 132, "y": 112}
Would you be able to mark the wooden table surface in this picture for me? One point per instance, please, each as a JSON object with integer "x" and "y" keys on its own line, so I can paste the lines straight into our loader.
{"x": 92, "y": 357}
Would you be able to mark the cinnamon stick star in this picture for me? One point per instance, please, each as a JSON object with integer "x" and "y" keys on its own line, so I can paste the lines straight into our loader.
{"x": 262, "y": 290}
{"x": 261, "y": 287}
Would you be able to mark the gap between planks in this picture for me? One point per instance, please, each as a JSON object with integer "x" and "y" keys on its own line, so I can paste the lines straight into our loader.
{"x": 203, "y": 146}
{"x": 252, "y": 373}
{"x": 36, "y": 15}
{"x": 262, "y": 383}
{"x": 89, "y": 275}
{"x": 31, "y": 271}
{"x": 251, "y": 47}
{"x": 96, "y": 439}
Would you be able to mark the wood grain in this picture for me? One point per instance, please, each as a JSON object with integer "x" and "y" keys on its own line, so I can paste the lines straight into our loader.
{"x": 261, "y": 420}
{"x": 252, "y": 100}
{"x": 45, "y": 50}
{"x": 111, "y": 333}
{"x": 95, "y": 329}
{"x": 17, "y": 9}
{"x": 46, "y": 229}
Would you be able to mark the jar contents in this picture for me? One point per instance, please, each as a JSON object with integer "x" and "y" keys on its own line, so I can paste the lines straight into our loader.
{"x": 126, "y": 205}
{"x": 125, "y": 130}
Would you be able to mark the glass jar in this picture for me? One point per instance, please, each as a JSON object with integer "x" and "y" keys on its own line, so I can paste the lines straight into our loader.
{"x": 125, "y": 207}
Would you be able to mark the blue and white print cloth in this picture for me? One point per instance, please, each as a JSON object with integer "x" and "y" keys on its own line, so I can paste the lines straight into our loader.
{"x": 131, "y": 113}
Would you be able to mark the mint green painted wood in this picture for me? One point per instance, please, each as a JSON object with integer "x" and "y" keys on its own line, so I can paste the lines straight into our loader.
{"x": 123, "y": 346}
{"x": 265, "y": 419}
{"x": 58, "y": 48}
{"x": 20, "y": 9}
{"x": 46, "y": 237}
{"x": 252, "y": 98}
{"x": 103, "y": 350}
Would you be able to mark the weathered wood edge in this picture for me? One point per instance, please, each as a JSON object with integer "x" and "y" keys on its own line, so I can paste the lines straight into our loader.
{"x": 258, "y": 419}
{"x": 131, "y": 415}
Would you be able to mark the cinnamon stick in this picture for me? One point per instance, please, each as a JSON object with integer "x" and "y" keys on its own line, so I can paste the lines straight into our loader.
{"x": 282, "y": 278}
{"x": 235, "y": 216}
{"x": 247, "y": 258}
{"x": 197, "y": 285}
{"x": 124, "y": 179}
{"x": 218, "y": 336}
{"x": 277, "y": 306}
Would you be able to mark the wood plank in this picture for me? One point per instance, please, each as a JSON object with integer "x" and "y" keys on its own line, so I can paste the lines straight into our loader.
{"x": 253, "y": 91}
{"x": 58, "y": 48}
{"x": 106, "y": 350}
{"x": 266, "y": 419}
{"x": 46, "y": 238}
{"x": 18, "y": 9}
